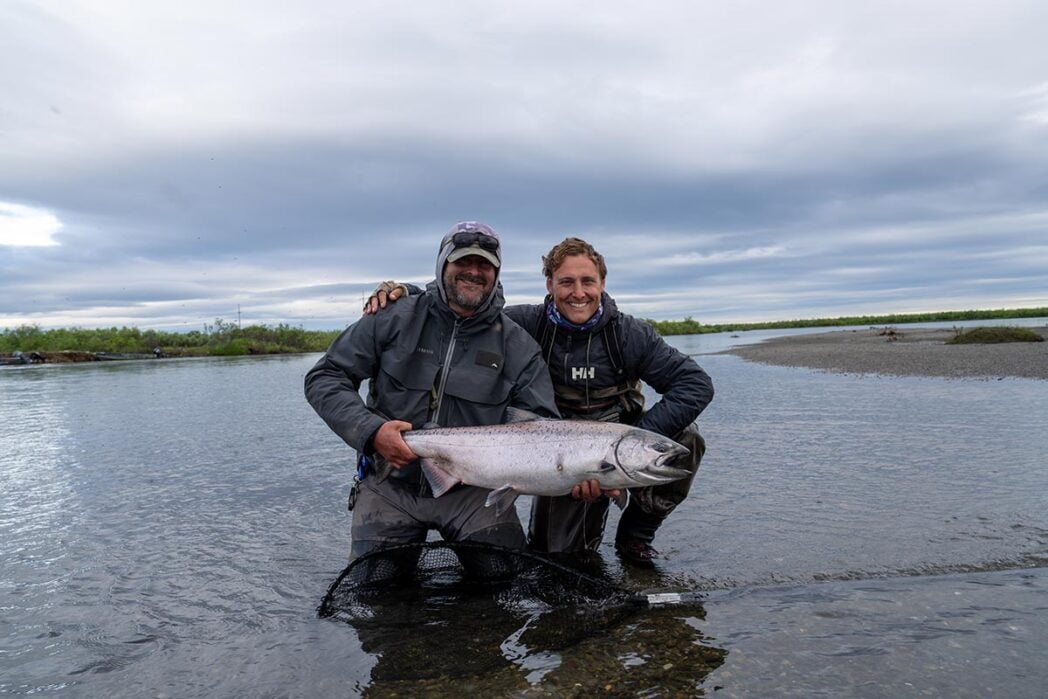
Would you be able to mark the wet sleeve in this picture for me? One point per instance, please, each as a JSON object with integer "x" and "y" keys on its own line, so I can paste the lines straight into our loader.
{"x": 332, "y": 386}
{"x": 685, "y": 388}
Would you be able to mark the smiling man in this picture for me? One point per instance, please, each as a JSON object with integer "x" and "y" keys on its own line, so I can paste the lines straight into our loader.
{"x": 448, "y": 356}
{"x": 597, "y": 359}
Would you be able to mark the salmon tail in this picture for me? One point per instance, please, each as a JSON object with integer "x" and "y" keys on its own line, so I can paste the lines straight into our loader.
{"x": 440, "y": 481}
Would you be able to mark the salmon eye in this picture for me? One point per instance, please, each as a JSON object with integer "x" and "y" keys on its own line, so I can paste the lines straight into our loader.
{"x": 661, "y": 447}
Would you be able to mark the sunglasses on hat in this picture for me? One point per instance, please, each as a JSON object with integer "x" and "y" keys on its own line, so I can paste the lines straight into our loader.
{"x": 465, "y": 239}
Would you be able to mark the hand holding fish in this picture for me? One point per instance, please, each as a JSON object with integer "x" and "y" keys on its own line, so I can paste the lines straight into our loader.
{"x": 389, "y": 442}
{"x": 590, "y": 491}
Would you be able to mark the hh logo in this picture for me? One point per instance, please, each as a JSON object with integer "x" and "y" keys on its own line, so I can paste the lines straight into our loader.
{"x": 582, "y": 372}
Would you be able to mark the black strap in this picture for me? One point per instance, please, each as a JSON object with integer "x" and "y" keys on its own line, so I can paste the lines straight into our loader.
{"x": 613, "y": 345}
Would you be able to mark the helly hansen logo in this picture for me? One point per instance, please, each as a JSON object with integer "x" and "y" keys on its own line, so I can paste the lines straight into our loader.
{"x": 583, "y": 372}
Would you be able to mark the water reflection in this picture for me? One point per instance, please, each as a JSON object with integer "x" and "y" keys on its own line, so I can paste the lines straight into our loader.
{"x": 569, "y": 629}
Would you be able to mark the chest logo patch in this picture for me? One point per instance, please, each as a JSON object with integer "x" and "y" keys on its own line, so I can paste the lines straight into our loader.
{"x": 492, "y": 360}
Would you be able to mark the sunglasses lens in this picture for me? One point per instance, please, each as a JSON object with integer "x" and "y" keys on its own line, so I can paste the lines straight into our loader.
{"x": 467, "y": 238}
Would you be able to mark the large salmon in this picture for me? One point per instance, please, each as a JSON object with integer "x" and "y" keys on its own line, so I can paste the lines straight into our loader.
{"x": 537, "y": 456}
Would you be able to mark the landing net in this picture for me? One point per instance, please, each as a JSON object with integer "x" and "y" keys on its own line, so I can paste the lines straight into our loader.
{"x": 439, "y": 571}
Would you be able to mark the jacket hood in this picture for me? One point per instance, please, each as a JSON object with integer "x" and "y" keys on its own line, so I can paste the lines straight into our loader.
{"x": 442, "y": 261}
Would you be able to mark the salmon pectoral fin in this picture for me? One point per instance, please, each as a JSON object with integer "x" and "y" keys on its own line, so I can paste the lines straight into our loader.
{"x": 520, "y": 415}
{"x": 440, "y": 481}
{"x": 502, "y": 499}
{"x": 623, "y": 499}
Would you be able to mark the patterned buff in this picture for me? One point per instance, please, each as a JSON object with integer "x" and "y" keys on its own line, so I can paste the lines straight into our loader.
{"x": 557, "y": 319}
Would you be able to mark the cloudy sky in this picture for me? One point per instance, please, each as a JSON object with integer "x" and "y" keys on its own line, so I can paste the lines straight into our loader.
{"x": 166, "y": 164}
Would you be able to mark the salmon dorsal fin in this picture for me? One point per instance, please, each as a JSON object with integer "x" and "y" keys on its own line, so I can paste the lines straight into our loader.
{"x": 520, "y": 415}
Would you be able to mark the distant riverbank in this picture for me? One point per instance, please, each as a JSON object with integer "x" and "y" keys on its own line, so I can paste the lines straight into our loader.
{"x": 909, "y": 352}
{"x": 223, "y": 339}
{"x": 690, "y": 326}
{"x": 63, "y": 345}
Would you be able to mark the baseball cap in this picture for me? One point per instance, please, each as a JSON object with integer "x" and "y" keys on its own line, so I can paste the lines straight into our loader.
{"x": 473, "y": 238}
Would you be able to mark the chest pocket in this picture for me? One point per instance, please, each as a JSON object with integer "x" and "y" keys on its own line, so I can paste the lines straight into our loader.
{"x": 409, "y": 359}
{"x": 410, "y": 372}
{"x": 477, "y": 384}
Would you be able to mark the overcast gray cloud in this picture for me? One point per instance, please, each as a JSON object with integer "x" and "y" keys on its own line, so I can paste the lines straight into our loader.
{"x": 163, "y": 165}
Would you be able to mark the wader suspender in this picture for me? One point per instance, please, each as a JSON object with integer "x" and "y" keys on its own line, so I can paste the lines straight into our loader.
{"x": 630, "y": 399}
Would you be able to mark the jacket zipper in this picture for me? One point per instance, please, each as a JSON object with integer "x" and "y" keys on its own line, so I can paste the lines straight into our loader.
{"x": 444, "y": 372}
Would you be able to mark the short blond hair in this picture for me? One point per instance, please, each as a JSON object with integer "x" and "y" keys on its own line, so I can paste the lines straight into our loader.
{"x": 568, "y": 248}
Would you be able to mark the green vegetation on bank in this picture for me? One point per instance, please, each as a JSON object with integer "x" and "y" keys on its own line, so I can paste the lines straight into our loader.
{"x": 220, "y": 339}
{"x": 986, "y": 336}
{"x": 689, "y": 326}
{"x": 229, "y": 339}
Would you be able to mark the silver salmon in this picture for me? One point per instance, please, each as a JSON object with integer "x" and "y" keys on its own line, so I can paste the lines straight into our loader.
{"x": 538, "y": 456}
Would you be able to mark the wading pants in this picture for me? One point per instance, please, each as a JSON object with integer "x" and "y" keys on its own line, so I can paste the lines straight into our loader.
{"x": 390, "y": 512}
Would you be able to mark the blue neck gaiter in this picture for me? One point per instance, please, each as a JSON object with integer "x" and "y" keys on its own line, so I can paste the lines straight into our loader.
{"x": 557, "y": 319}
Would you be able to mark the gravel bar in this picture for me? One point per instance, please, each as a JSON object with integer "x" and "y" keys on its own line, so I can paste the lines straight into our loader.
{"x": 909, "y": 352}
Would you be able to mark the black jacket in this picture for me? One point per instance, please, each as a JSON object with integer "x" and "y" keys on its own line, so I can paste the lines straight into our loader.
{"x": 580, "y": 362}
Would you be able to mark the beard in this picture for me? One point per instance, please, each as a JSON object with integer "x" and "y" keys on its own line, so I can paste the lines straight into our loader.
{"x": 469, "y": 298}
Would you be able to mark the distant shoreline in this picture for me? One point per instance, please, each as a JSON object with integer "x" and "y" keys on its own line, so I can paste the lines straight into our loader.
{"x": 225, "y": 339}
{"x": 908, "y": 352}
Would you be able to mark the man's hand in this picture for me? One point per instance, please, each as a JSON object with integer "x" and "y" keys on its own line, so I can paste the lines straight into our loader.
{"x": 386, "y": 292}
{"x": 389, "y": 442}
{"x": 590, "y": 491}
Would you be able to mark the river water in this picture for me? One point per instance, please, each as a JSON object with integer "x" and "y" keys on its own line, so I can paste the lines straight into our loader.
{"x": 168, "y": 528}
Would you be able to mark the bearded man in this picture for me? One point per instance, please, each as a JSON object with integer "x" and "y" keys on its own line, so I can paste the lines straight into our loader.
{"x": 449, "y": 357}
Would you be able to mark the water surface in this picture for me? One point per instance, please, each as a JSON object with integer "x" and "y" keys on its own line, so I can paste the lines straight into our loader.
{"x": 168, "y": 527}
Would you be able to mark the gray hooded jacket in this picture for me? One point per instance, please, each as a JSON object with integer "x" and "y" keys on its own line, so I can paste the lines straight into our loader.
{"x": 427, "y": 364}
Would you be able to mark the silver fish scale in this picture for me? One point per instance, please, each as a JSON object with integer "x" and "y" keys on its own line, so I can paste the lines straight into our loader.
{"x": 544, "y": 457}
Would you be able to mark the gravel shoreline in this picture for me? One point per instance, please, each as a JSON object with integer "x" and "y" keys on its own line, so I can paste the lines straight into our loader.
{"x": 910, "y": 352}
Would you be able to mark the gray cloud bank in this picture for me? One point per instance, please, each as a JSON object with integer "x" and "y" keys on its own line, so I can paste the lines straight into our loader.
{"x": 732, "y": 163}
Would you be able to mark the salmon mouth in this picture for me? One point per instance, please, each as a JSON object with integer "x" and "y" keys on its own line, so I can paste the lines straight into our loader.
{"x": 663, "y": 467}
{"x": 672, "y": 453}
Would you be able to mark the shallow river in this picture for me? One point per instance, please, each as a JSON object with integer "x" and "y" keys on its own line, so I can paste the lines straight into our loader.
{"x": 168, "y": 528}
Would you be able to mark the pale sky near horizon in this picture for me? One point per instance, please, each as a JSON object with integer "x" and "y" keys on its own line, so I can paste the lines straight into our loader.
{"x": 166, "y": 164}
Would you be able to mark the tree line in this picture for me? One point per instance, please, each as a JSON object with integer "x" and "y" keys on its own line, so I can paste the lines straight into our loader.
{"x": 221, "y": 339}
{"x": 229, "y": 339}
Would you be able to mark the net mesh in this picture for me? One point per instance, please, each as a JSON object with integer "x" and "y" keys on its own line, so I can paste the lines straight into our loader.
{"x": 440, "y": 570}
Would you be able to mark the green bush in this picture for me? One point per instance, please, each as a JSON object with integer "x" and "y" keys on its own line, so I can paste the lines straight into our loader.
{"x": 986, "y": 336}
{"x": 223, "y": 338}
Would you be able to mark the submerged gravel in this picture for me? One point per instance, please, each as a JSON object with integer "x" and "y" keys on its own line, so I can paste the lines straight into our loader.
{"x": 910, "y": 352}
